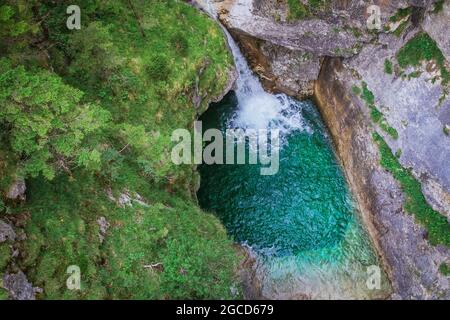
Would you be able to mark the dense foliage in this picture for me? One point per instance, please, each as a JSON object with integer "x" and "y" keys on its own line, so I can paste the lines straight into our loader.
{"x": 86, "y": 117}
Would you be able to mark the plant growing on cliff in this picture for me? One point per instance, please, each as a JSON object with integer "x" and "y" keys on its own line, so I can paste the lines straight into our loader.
{"x": 367, "y": 95}
{"x": 438, "y": 6}
{"x": 401, "y": 28}
{"x": 356, "y": 90}
{"x": 401, "y": 14}
{"x": 376, "y": 115}
{"x": 392, "y": 132}
{"x": 388, "y": 66}
{"x": 297, "y": 10}
{"x": 423, "y": 48}
{"x": 446, "y": 130}
{"x": 317, "y": 5}
{"x": 444, "y": 269}
{"x": 436, "y": 224}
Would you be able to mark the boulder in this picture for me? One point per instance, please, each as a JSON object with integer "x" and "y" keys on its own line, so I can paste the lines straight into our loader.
{"x": 18, "y": 286}
{"x": 17, "y": 190}
{"x": 6, "y": 232}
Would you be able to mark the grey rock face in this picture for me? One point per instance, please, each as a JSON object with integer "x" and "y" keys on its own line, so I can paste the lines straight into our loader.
{"x": 276, "y": 50}
{"x": 6, "y": 232}
{"x": 316, "y": 36}
{"x": 17, "y": 190}
{"x": 103, "y": 226}
{"x": 281, "y": 69}
{"x": 413, "y": 261}
{"x": 18, "y": 286}
{"x": 284, "y": 63}
{"x": 343, "y": 13}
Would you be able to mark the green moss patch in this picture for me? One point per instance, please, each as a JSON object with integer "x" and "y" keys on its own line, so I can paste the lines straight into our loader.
{"x": 297, "y": 10}
{"x": 375, "y": 114}
{"x": 444, "y": 269}
{"x": 422, "y": 48}
{"x": 388, "y": 68}
{"x": 5, "y": 256}
{"x": 438, "y": 6}
{"x": 401, "y": 13}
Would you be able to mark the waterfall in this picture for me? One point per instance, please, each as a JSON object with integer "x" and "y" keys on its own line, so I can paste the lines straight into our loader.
{"x": 259, "y": 109}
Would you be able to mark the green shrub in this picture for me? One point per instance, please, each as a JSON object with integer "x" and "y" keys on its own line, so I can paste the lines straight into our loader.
{"x": 446, "y": 130}
{"x": 438, "y": 6}
{"x": 3, "y": 294}
{"x": 401, "y": 28}
{"x": 317, "y": 4}
{"x": 297, "y": 10}
{"x": 47, "y": 122}
{"x": 375, "y": 114}
{"x": 5, "y": 256}
{"x": 388, "y": 66}
{"x": 401, "y": 13}
{"x": 367, "y": 95}
{"x": 356, "y": 90}
{"x": 444, "y": 269}
{"x": 388, "y": 129}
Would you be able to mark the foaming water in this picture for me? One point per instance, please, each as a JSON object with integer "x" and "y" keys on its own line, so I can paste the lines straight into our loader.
{"x": 257, "y": 108}
{"x": 300, "y": 225}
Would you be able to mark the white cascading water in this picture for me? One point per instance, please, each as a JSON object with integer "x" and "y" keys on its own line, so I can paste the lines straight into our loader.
{"x": 257, "y": 108}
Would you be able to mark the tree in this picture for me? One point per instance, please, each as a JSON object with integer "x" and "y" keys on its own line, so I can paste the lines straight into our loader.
{"x": 46, "y": 123}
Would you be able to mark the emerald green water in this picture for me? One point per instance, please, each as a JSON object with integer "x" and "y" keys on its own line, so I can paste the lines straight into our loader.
{"x": 300, "y": 224}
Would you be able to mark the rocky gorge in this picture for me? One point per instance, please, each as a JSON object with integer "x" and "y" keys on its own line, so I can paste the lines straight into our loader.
{"x": 383, "y": 94}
